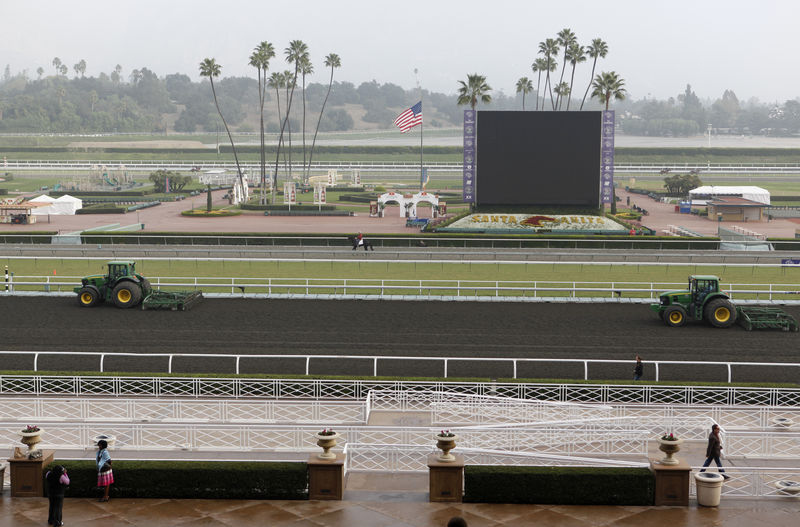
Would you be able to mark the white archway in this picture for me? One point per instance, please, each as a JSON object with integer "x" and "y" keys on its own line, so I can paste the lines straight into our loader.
{"x": 408, "y": 202}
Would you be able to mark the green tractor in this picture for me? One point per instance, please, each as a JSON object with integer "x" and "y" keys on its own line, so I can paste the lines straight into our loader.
{"x": 122, "y": 285}
{"x": 702, "y": 301}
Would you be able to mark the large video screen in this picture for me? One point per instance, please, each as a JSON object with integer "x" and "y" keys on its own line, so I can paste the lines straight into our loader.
{"x": 538, "y": 158}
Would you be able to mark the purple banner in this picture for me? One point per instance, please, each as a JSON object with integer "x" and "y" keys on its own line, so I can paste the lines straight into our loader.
{"x": 468, "y": 179}
{"x": 607, "y": 158}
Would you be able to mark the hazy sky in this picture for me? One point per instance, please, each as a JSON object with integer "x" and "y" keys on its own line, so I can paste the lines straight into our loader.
{"x": 657, "y": 47}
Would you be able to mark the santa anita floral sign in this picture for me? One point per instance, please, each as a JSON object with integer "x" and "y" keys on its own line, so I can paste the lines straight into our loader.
{"x": 536, "y": 223}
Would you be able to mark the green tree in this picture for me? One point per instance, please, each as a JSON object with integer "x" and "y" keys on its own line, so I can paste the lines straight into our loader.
{"x": 259, "y": 59}
{"x": 725, "y": 111}
{"x": 93, "y": 98}
{"x": 538, "y": 67}
{"x": 40, "y": 72}
{"x": 332, "y": 61}
{"x": 596, "y": 49}
{"x": 575, "y": 56}
{"x": 295, "y": 54}
{"x": 607, "y": 85}
{"x": 561, "y": 91}
{"x": 63, "y": 70}
{"x": 473, "y": 90}
{"x": 209, "y": 68}
{"x": 116, "y": 75}
{"x": 57, "y": 65}
{"x": 566, "y": 38}
{"x": 208, "y": 198}
{"x": 80, "y": 68}
{"x": 306, "y": 68}
{"x": 549, "y": 48}
{"x": 524, "y": 86}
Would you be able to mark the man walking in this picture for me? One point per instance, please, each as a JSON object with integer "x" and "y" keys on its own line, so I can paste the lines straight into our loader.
{"x": 714, "y": 451}
{"x": 638, "y": 370}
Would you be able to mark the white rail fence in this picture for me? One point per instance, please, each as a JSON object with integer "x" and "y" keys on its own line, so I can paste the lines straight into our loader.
{"x": 277, "y": 438}
{"x": 429, "y": 289}
{"x": 782, "y": 399}
{"x": 315, "y": 364}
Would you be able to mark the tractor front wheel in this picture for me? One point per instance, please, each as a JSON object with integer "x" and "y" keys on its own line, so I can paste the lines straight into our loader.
{"x": 88, "y": 297}
{"x": 675, "y": 316}
{"x": 126, "y": 294}
{"x": 720, "y": 313}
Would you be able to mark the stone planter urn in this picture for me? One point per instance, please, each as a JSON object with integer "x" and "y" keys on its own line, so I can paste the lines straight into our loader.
{"x": 326, "y": 441}
{"x": 782, "y": 423}
{"x": 670, "y": 448}
{"x": 31, "y": 439}
{"x": 446, "y": 444}
{"x": 789, "y": 488}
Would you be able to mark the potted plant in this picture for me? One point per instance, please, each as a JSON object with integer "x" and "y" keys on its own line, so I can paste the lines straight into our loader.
{"x": 670, "y": 445}
{"x": 326, "y": 439}
{"x": 446, "y": 441}
{"x": 31, "y": 436}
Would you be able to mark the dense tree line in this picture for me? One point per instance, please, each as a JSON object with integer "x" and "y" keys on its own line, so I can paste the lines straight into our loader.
{"x": 143, "y": 101}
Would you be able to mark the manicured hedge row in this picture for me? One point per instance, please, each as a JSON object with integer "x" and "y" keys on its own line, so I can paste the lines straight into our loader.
{"x": 559, "y": 485}
{"x": 250, "y": 206}
{"x": 119, "y": 194}
{"x": 193, "y": 480}
{"x": 102, "y": 208}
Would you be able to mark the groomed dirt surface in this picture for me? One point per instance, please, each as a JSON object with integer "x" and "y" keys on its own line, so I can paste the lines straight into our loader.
{"x": 368, "y": 328}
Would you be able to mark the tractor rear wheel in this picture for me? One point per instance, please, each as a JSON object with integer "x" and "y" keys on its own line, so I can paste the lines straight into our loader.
{"x": 126, "y": 294}
{"x": 720, "y": 313}
{"x": 88, "y": 297}
{"x": 675, "y": 316}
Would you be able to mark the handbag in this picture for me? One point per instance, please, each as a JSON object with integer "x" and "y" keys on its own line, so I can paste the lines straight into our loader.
{"x": 106, "y": 466}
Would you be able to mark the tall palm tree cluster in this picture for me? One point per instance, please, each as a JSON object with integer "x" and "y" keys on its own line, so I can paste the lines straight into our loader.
{"x": 297, "y": 55}
{"x": 566, "y": 48}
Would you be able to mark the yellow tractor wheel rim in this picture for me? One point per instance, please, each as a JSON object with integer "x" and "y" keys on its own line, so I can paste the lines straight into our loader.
{"x": 722, "y": 314}
{"x": 87, "y": 298}
{"x": 124, "y": 296}
{"x": 675, "y": 317}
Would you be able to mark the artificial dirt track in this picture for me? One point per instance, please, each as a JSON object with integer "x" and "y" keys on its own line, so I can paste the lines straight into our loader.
{"x": 367, "y": 328}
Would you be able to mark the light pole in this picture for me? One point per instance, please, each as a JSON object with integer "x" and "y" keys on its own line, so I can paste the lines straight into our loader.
{"x": 709, "y": 135}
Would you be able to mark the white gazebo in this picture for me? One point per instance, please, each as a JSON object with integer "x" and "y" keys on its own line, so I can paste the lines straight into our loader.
{"x": 702, "y": 195}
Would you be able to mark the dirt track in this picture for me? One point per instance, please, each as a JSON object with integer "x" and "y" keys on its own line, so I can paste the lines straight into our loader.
{"x": 424, "y": 329}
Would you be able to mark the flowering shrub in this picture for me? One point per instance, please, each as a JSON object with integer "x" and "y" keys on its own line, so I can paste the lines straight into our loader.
{"x": 446, "y": 433}
{"x": 30, "y": 429}
{"x": 669, "y": 437}
{"x": 327, "y": 432}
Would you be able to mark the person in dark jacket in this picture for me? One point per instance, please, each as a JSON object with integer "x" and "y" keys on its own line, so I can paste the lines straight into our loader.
{"x": 638, "y": 370}
{"x": 57, "y": 481}
{"x": 714, "y": 450}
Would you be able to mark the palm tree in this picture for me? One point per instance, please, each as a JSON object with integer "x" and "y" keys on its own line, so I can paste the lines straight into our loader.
{"x": 597, "y": 48}
{"x": 575, "y": 56}
{"x": 278, "y": 81}
{"x": 260, "y": 60}
{"x": 538, "y": 67}
{"x": 57, "y": 64}
{"x": 607, "y": 85}
{"x": 332, "y": 61}
{"x": 562, "y": 90}
{"x": 209, "y": 68}
{"x": 40, "y": 72}
{"x": 549, "y": 48}
{"x": 306, "y": 68}
{"x": 475, "y": 88}
{"x": 565, "y": 39}
{"x": 295, "y": 54}
{"x": 525, "y": 86}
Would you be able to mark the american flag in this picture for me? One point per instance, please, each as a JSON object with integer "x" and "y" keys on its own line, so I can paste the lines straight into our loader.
{"x": 409, "y": 118}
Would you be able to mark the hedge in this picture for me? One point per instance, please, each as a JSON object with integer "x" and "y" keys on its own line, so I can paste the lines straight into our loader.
{"x": 192, "y": 479}
{"x": 103, "y": 208}
{"x": 559, "y": 485}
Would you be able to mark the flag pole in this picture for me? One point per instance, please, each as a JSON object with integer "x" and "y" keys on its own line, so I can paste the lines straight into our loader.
{"x": 421, "y": 125}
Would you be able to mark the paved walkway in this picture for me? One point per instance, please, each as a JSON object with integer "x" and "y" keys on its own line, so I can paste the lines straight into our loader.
{"x": 379, "y": 509}
{"x": 660, "y": 215}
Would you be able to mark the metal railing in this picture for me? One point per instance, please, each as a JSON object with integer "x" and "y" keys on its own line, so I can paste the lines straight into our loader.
{"x": 429, "y": 289}
{"x": 307, "y": 361}
{"x": 348, "y": 390}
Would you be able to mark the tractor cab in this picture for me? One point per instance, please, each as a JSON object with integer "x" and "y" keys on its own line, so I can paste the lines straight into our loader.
{"x": 700, "y": 287}
{"x": 117, "y": 270}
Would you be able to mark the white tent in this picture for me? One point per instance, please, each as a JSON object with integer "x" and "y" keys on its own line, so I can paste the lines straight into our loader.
{"x": 64, "y": 206}
{"x": 701, "y": 195}
{"x": 67, "y": 204}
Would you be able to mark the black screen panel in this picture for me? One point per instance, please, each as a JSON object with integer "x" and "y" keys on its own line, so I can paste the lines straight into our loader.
{"x": 538, "y": 158}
